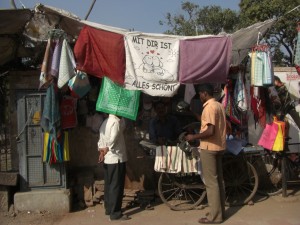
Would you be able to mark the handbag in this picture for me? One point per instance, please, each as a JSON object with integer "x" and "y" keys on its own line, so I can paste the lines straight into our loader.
{"x": 79, "y": 84}
{"x": 268, "y": 136}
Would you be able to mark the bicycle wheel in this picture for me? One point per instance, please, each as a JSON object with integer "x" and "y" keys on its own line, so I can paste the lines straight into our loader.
{"x": 181, "y": 191}
{"x": 241, "y": 181}
{"x": 270, "y": 175}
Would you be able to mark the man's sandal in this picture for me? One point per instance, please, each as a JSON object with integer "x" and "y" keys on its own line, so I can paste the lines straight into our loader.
{"x": 204, "y": 220}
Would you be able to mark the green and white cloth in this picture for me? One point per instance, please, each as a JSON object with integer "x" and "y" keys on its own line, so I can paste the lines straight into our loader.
{"x": 114, "y": 99}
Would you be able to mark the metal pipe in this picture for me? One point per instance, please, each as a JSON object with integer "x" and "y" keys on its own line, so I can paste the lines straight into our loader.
{"x": 91, "y": 7}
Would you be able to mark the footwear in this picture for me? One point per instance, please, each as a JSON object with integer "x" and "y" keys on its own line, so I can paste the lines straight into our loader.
{"x": 107, "y": 213}
{"x": 122, "y": 217}
{"x": 204, "y": 220}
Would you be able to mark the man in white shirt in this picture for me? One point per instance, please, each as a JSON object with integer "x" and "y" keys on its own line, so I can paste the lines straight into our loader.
{"x": 112, "y": 151}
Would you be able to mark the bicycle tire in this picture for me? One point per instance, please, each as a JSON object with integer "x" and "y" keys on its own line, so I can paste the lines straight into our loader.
{"x": 270, "y": 176}
{"x": 181, "y": 191}
{"x": 241, "y": 181}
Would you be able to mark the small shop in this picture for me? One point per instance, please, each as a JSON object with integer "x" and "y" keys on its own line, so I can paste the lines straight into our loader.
{"x": 89, "y": 70}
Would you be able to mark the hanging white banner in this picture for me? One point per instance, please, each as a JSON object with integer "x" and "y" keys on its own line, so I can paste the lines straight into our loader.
{"x": 152, "y": 64}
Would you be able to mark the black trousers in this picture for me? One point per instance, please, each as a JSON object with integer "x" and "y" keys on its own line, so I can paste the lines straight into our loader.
{"x": 114, "y": 181}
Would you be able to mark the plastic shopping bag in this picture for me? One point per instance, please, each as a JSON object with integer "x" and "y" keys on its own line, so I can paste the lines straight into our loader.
{"x": 268, "y": 136}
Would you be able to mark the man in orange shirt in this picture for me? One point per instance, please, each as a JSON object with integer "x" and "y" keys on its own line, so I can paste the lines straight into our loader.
{"x": 212, "y": 137}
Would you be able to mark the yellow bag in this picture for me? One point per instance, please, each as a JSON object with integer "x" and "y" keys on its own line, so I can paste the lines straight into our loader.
{"x": 279, "y": 140}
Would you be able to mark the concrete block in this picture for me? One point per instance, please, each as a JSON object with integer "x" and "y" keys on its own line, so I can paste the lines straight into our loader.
{"x": 52, "y": 200}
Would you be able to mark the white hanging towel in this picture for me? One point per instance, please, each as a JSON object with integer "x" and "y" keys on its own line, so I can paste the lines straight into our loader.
{"x": 240, "y": 94}
{"x": 152, "y": 64}
{"x": 67, "y": 65}
{"x": 189, "y": 93}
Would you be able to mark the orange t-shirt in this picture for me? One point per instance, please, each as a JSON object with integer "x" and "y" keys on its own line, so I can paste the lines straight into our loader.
{"x": 214, "y": 114}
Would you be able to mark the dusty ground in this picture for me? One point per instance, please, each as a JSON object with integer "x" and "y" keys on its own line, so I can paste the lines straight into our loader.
{"x": 29, "y": 218}
{"x": 274, "y": 210}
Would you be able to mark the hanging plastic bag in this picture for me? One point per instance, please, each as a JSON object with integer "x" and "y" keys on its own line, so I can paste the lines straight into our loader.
{"x": 279, "y": 140}
{"x": 79, "y": 85}
{"x": 268, "y": 136}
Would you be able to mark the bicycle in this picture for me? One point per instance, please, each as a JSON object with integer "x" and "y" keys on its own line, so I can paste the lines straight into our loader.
{"x": 277, "y": 168}
{"x": 185, "y": 191}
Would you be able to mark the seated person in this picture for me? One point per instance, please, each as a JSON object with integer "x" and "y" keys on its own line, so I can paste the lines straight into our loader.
{"x": 164, "y": 129}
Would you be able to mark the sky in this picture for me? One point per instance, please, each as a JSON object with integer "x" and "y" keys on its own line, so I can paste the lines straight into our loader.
{"x": 140, "y": 15}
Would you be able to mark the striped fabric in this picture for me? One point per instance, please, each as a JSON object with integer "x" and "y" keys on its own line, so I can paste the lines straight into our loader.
{"x": 171, "y": 159}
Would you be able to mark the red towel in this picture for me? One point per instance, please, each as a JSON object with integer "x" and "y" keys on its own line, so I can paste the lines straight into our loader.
{"x": 101, "y": 53}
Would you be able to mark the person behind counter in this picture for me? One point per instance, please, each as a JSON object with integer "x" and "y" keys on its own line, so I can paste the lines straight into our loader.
{"x": 163, "y": 128}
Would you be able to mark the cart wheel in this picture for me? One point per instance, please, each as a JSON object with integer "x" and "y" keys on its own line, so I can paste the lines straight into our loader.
{"x": 181, "y": 191}
{"x": 241, "y": 181}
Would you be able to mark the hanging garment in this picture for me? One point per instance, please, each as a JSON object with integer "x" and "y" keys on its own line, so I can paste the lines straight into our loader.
{"x": 51, "y": 119}
{"x": 45, "y": 77}
{"x": 189, "y": 93}
{"x": 67, "y": 65}
{"x": 114, "y": 99}
{"x": 205, "y": 59}
{"x": 54, "y": 69}
{"x": 68, "y": 113}
{"x": 240, "y": 94}
{"x": 297, "y": 54}
{"x": 152, "y": 64}
{"x": 228, "y": 104}
{"x": 262, "y": 72}
{"x": 258, "y": 105}
{"x": 101, "y": 53}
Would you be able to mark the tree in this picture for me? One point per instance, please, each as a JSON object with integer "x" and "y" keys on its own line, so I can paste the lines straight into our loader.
{"x": 282, "y": 35}
{"x": 197, "y": 21}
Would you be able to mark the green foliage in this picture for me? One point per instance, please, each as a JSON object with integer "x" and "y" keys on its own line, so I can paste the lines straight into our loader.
{"x": 281, "y": 37}
{"x": 196, "y": 21}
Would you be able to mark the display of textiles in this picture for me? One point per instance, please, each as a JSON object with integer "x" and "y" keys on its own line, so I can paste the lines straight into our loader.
{"x": 262, "y": 72}
{"x": 297, "y": 53}
{"x": 58, "y": 62}
{"x": 240, "y": 94}
{"x": 229, "y": 105}
{"x": 56, "y": 150}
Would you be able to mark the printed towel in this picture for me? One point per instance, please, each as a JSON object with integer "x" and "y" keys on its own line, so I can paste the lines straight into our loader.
{"x": 67, "y": 65}
{"x": 152, "y": 64}
{"x": 114, "y": 99}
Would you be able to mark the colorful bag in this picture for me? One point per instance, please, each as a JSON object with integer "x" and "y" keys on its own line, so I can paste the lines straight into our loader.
{"x": 79, "y": 85}
{"x": 279, "y": 141}
{"x": 268, "y": 136}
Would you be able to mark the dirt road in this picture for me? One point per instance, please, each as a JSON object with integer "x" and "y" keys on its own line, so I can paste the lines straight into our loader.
{"x": 265, "y": 211}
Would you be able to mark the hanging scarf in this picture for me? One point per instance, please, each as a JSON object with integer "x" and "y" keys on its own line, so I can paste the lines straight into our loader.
{"x": 297, "y": 54}
{"x": 240, "y": 94}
